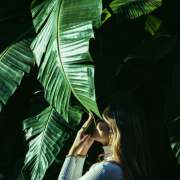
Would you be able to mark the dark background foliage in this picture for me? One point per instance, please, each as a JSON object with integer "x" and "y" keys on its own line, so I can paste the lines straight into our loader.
{"x": 151, "y": 82}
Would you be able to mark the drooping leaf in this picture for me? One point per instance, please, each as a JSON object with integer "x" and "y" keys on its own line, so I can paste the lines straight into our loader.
{"x": 61, "y": 49}
{"x": 152, "y": 24}
{"x": 134, "y": 8}
{"x": 46, "y": 134}
{"x": 15, "y": 60}
{"x": 105, "y": 15}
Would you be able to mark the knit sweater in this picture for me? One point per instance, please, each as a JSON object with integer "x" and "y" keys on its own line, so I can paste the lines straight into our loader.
{"x": 72, "y": 169}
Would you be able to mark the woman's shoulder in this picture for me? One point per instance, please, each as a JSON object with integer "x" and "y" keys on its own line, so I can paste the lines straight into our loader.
{"x": 112, "y": 166}
{"x": 111, "y": 169}
{"x": 108, "y": 163}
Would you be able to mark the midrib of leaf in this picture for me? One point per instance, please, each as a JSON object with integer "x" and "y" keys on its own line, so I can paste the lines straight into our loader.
{"x": 58, "y": 39}
{"x": 43, "y": 135}
{"x": 59, "y": 51}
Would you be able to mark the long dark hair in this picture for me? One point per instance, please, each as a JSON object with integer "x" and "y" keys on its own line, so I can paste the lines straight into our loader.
{"x": 133, "y": 146}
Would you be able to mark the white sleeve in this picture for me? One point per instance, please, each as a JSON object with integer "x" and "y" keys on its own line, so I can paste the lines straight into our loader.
{"x": 72, "y": 168}
{"x": 96, "y": 172}
{"x": 103, "y": 171}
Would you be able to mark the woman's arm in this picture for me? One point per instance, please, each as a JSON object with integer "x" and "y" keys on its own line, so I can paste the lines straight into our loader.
{"x": 72, "y": 168}
{"x": 74, "y": 162}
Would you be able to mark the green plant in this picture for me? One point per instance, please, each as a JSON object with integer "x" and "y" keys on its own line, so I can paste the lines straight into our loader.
{"x": 60, "y": 49}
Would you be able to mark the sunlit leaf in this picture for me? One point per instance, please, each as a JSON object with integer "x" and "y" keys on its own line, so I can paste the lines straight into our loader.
{"x": 46, "y": 134}
{"x": 134, "y": 8}
{"x": 61, "y": 49}
{"x": 15, "y": 61}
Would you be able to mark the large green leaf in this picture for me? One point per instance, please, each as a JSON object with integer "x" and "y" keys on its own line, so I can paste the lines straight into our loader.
{"x": 132, "y": 8}
{"x": 61, "y": 49}
{"x": 46, "y": 133}
{"x": 135, "y": 8}
{"x": 15, "y": 60}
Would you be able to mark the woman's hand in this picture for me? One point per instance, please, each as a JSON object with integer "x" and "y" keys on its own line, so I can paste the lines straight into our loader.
{"x": 82, "y": 142}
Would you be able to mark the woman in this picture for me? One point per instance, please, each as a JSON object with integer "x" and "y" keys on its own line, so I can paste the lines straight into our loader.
{"x": 123, "y": 138}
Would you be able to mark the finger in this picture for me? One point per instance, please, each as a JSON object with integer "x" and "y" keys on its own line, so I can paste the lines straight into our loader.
{"x": 87, "y": 138}
{"x": 81, "y": 134}
{"x": 84, "y": 137}
{"x": 87, "y": 141}
{"x": 89, "y": 120}
{"x": 91, "y": 116}
{"x": 82, "y": 129}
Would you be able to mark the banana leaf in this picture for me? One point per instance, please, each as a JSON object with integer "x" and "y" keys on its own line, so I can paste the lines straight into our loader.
{"x": 15, "y": 61}
{"x": 132, "y": 8}
{"x": 46, "y": 133}
{"x": 61, "y": 48}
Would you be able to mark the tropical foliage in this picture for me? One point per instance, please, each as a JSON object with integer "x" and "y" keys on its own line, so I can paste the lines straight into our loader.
{"x": 60, "y": 51}
{"x": 15, "y": 61}
{"x": 49, "y": 136}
